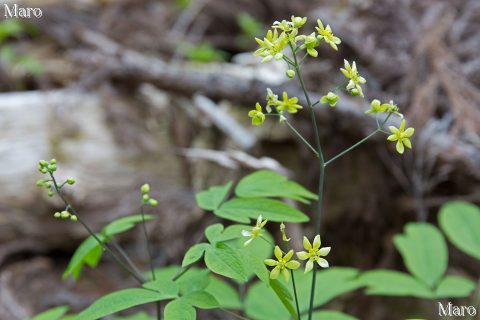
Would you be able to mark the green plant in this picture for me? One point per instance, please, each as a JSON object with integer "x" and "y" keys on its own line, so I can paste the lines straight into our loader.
{"x": 240, "y": 253}
{"x": 203, "y": 52}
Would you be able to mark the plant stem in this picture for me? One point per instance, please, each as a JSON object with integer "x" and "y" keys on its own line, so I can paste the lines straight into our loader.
{"x": 234, "y": 314}
{"x": 352, "y": 147}
{"x": 321, "y": 179}
{"x": 301, "y": 137}
{"x": 150, "y": 256}
{"x": 295, "y": 294}
{"x": 138, "y": 277}
{"x": 125, "y": 256}
{"x": 147, "y": 240}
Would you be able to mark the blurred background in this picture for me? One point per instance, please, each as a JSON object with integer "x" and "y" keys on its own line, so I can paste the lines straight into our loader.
{"x": 123, "y": 92}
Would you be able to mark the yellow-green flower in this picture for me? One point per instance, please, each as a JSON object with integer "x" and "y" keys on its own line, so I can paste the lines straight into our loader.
{"x": 310, "y": 43}
{"x": 327, "y": 35}
{"x": 284, "y": 25}
{"x": 402, "y": 137}
{"x": 289, "y": 104}
{"x": 377, "y": 107}
{"x": 282, "y": 264}
{"x": 255, "y": 232}
{"x": 298, "y": 22}
{"x": 314, "y": 253}
{"x": 272, "y": 46}
{"x": 356, "y": 80}
{"x": 330, "y": 98}
{"x": 258, "y": 117}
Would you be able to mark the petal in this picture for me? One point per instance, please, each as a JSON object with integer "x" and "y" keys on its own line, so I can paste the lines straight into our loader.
{"x": 264, "y": 222}
{"x": 409, "y": 132}
{"x": 306, "y": 244}
{"x": 259, "y": 221}
{"x": 278, "y": 253}
{"x": 308, "y": 266}
{"x": 270, "y": 262}
{"x": 320, "y": 24}
{"x": 323, "y": 99}
{"x": 345, "y": 72}
{"x": 324, "y": 251}
{"x": 288, "y": 256}
{"x": 286, "y": 274}
{"x": 402, "y": 126}
{"x": 258, "y": 107}
{"x": 292, "y": 264}
{"x": 333, "y": 45}
{"x": 252, "y": 113}
{"x": 322, "y": 263}
{"x": 316, "y": 242}
{"x": 246, "y": 233}
{"x": 392, "y": 137}
{"x": 393, "y": 129}
{"x": 274, "y": 273}
{"x": 354, "y": 66}
{"x": 400, "y": 147}
{"x": 407, "y": 143}
{"x": 302, "y": 255}
{"x": 346, "y": 64}
{"x": 337, "y": 40}
{"x": 246, "y": 243}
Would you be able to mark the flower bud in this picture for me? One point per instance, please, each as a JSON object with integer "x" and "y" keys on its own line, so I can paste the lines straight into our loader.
{"x": 52, "y": 167}
{"x": 43, "y": 170}
{"x": 153, "y": 202}
{"x": 57, "y": 214}
{"x": 354, "y": 92}
{"x": 40, "y": 183}
{"x": 145, "y": 188}
{"x": 53, "y": 161}
{"x": 64, "y": 214}
{"x": 73, "y": 217}
{"x": 290, "y": 73}
{"x": 282, "y": 118}
{"x": 70, "y": 180}
{"x": 145, "y": 197}
{"x": 50, "y": 193}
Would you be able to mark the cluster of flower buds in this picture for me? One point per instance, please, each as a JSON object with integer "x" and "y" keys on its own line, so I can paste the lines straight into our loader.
{"x": 146, "y": 199}
{"x": 65, "y": 215}
{"x": 47, "y": 166}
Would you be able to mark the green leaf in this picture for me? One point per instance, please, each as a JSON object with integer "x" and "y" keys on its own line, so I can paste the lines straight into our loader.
{"x": 196, "y": 280}
{"x": 454, "y": 287}
{"x": 265, "y": 183}
{"x": 226, "y": 296}
{"x": 424, "y": 252}
{"x": 120, "y": 300}
{"x": 179, "y": 310}
{"x": 167, "y": 288}
{"x": 244, "y": 209}
{"x": 253, "y": 256}
{"x": 88, "y": 252}
{"x": 213, "y": 232}
{"x": 331, "y": 315}
{"x": 212, "y": 198}
{"x": 284, "y": 295}
{"x": 261, "y": 303}
{"x": 461, "y": 223}
{"x": 394, "y": 283}
{"x": 123, "y": 224}
{"x": 52, "y": 314}
{"x": 201, "y": 299}
{"x": 137, "y": 316}
{"x": 225, "y": 261}
{"x": 194, "y": 254}
{"x": 232, "y": 232}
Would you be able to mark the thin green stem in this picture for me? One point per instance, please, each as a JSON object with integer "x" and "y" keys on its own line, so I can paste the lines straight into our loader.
{"x": 295, "y": 294}
{"x": 125, "y": 256}
{"x": 234, "y": 314}
{"x": 301, "y": 137}
{"x": 181, "y": 272}
{"x": 147, "y": 240}
{"x": 352, "y": 147}
{"x": 150, "y": 256}
{"x": 321, "y": 179}
{"x": 138, "y": 277}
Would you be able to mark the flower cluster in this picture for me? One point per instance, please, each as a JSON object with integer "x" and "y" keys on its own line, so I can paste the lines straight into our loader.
{"x": 49, "y": 167}
{"x": 284, "y": 262}
{"x": 377, "y": 107}
{"x": 65, "y": 214}
{"x": 146, "y": 199}
{"x": 355, "y": 80}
